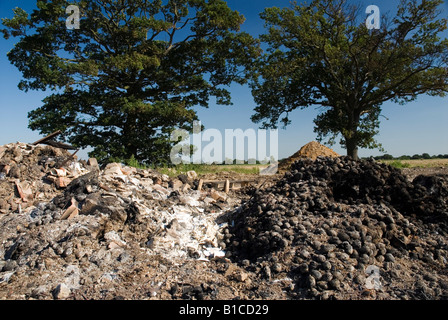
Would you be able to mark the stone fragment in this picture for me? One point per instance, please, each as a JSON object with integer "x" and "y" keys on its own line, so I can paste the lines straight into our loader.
{"x": 218, "y": 196}
{"x": 113, "y": 169}
{"x": 176, "y": 184}
{"x": 61, "y": 292}
{"x": 192, "y": 175}
{"x": 5, "y": 169}
{"x": 71, "y": 212}
{"x": 89, "y": 188}
{"x": 4, "y": 206}
{"x": 14, "y": 172}
{"x": 24, "y": 190}
{"x": 241, "y": 276}
{"x": 92, "y": 162}
{"x": 114, "y": 240}
{"x": 160, "y": 189}
{"x": 89, "y": 205}
{"x": 128, "y": 170}
{"x": 186, "y": 187}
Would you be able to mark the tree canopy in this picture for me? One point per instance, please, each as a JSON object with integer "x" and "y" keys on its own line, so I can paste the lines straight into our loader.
{"x": 131, "y": 73}
{"x": 322, "y": 54}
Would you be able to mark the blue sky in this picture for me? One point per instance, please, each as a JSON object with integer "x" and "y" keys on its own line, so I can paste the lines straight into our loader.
{"x": 416, "y": 127}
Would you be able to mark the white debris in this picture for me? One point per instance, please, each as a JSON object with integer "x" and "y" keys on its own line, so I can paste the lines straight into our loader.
{"x": 214, "y": 252}
{"x": 113, "y": 237}
{"x": 189, "y": 230}
{"x": 4, "y": 278}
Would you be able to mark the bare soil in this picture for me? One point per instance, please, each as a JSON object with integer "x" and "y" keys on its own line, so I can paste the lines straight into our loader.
{"x": 411, "y": 173}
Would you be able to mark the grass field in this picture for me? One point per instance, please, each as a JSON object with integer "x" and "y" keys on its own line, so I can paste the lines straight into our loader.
{"x": 210, "y": 169}
{"x": 423, "y": 163}
{"x": 202, "y": 169}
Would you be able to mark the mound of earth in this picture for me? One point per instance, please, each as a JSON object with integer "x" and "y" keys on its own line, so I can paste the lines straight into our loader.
{"x": 311, "y": 150}
{"x": 345, "y": 229}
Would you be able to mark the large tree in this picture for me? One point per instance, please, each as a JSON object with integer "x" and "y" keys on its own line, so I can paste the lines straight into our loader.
{"x": 132, "y": 73}
{"x": 323, "y": 54}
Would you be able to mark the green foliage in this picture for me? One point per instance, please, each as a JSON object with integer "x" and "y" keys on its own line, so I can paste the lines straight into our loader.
{"x": 132, "y": 162}
{"x": 133, "y": 71}
{"x": 398, "y": 164}
{"x": 322, "y": 54}
{"x": 385, "y": 157}
{"x": 425, "y": 156}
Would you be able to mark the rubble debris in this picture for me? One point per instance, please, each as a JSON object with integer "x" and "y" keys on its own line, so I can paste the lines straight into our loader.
{"x": 62, "y": 291}
{"x": 330, "y": 228}
{"x": 101, "y": 219}
{"x": 5, "y": 277}
{"x": 218, "y": 196}
{"x": 49, "y": 140}
{"x": 49, "y": 137}
{"x": 24, "y": 190}
{"x": 200, "y": 184}
{"x": 71, "y": 212}
{"x": 192, "y": 175}
{"x": 226, "y": 185}
{"x": 93, "y": 163}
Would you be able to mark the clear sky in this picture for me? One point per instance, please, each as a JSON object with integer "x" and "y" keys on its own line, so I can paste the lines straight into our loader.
{"x": 414, "y": 128}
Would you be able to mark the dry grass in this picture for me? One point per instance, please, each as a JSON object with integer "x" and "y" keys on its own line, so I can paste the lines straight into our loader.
{"x": 255, "y": 169}
{"x": 208, "y": 169}
{"x": 423, "y": 163}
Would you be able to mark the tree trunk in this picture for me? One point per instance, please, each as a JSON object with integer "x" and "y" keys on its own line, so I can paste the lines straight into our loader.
{"x": 352, "y": 148}
{"x": 351, "y": 141}
{"x": 128, "y": 136}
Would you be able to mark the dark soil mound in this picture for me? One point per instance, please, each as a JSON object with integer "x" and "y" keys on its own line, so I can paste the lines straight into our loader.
{"x": 336, "y": 217}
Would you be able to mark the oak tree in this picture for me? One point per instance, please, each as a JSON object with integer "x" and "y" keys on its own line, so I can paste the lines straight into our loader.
{"x": 131, "y": 73}
{"x": 323, "y": 54}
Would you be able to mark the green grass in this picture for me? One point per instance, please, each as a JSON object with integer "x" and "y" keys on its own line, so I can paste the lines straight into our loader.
{"x": 134, "y": 163}
{"x": 415, "y": 163}
{"x": 250, "y": 169}
{"x": 201, "y": 169}
{"x": 398, "y": 164}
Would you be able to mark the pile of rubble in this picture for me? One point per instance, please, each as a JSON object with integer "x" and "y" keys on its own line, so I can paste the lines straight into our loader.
{"x": 332, "y": 225}
{"x": 329, "y": 228}
{"x": 30, "y": 174}
{"x": 62, "y": 218}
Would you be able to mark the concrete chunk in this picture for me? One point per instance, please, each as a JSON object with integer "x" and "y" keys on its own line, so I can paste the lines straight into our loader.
{"x": 61, "y": 292}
